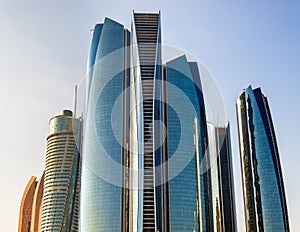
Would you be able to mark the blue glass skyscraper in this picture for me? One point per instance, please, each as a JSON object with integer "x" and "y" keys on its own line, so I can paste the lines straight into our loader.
{"x": 102, "y": 193}
{"x": 263, "y": 187}
{"x": 189, "y": 195}
{"x": 222, "y": 183}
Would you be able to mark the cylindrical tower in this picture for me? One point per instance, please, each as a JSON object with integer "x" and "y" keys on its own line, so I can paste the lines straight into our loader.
{"x": 60, "y": 211}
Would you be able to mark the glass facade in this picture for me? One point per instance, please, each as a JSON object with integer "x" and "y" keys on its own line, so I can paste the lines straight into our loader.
{"x": 189, "y": 204}
{"x": 146, "y": 102}
{"x": 223, "y": 199}
{"x": 101, "y": 195}
{"x": 127, "y": 163}
{"x": 264, "y": 195}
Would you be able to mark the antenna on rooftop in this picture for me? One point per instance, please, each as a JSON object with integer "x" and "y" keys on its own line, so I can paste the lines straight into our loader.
{"x": 75, "y": 101}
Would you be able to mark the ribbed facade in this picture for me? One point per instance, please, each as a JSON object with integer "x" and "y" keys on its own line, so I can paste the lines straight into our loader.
{"x": 189, "y": 189}
{"x": 146, "y": 27}
{"x": 103, "y": 200}
{"x": 146, "y": 99}
{"x": 31, "y": 206}
{"x": 26, "y": 206}
{"x": 223, "y": 199}
{"x": 60, "y": 211}
{"x": 263, "y": 187}
{"x": 37, "y": 205}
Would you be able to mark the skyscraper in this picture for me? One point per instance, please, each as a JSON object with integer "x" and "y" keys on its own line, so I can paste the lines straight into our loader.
{"x": 102, "y": 203}
{"x": 127, "y": 142}
{"x": 189, "y": 199}
{"x": 146, "y": 102}
{"x": 31, "y": 206}
{"x": 60, "y": 211}
{"x": 223, "y": 199}
{"x": 263, "y": 187}
{"x": 36, "y": 217}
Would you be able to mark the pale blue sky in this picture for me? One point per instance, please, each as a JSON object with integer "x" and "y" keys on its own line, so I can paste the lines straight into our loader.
{"x": 43, "y": 54}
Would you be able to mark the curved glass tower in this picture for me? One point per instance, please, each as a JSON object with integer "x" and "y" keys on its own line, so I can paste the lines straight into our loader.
{"x": 189, "y": 195}
{"x": 60, "y": 210}
{"x": 101, "y": 195}
{"x": 263, "y": 188}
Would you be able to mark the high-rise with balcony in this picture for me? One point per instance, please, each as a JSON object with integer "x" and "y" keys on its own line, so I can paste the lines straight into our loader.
{"x": 263, "y": 187}
{"x": 60, "y": 210}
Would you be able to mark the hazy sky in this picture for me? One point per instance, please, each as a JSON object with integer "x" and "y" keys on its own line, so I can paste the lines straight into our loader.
{"x": 43, "y": 54}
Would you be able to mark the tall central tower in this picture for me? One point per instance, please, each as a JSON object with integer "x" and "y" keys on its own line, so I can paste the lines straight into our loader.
{"x": 146, "y": 108}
